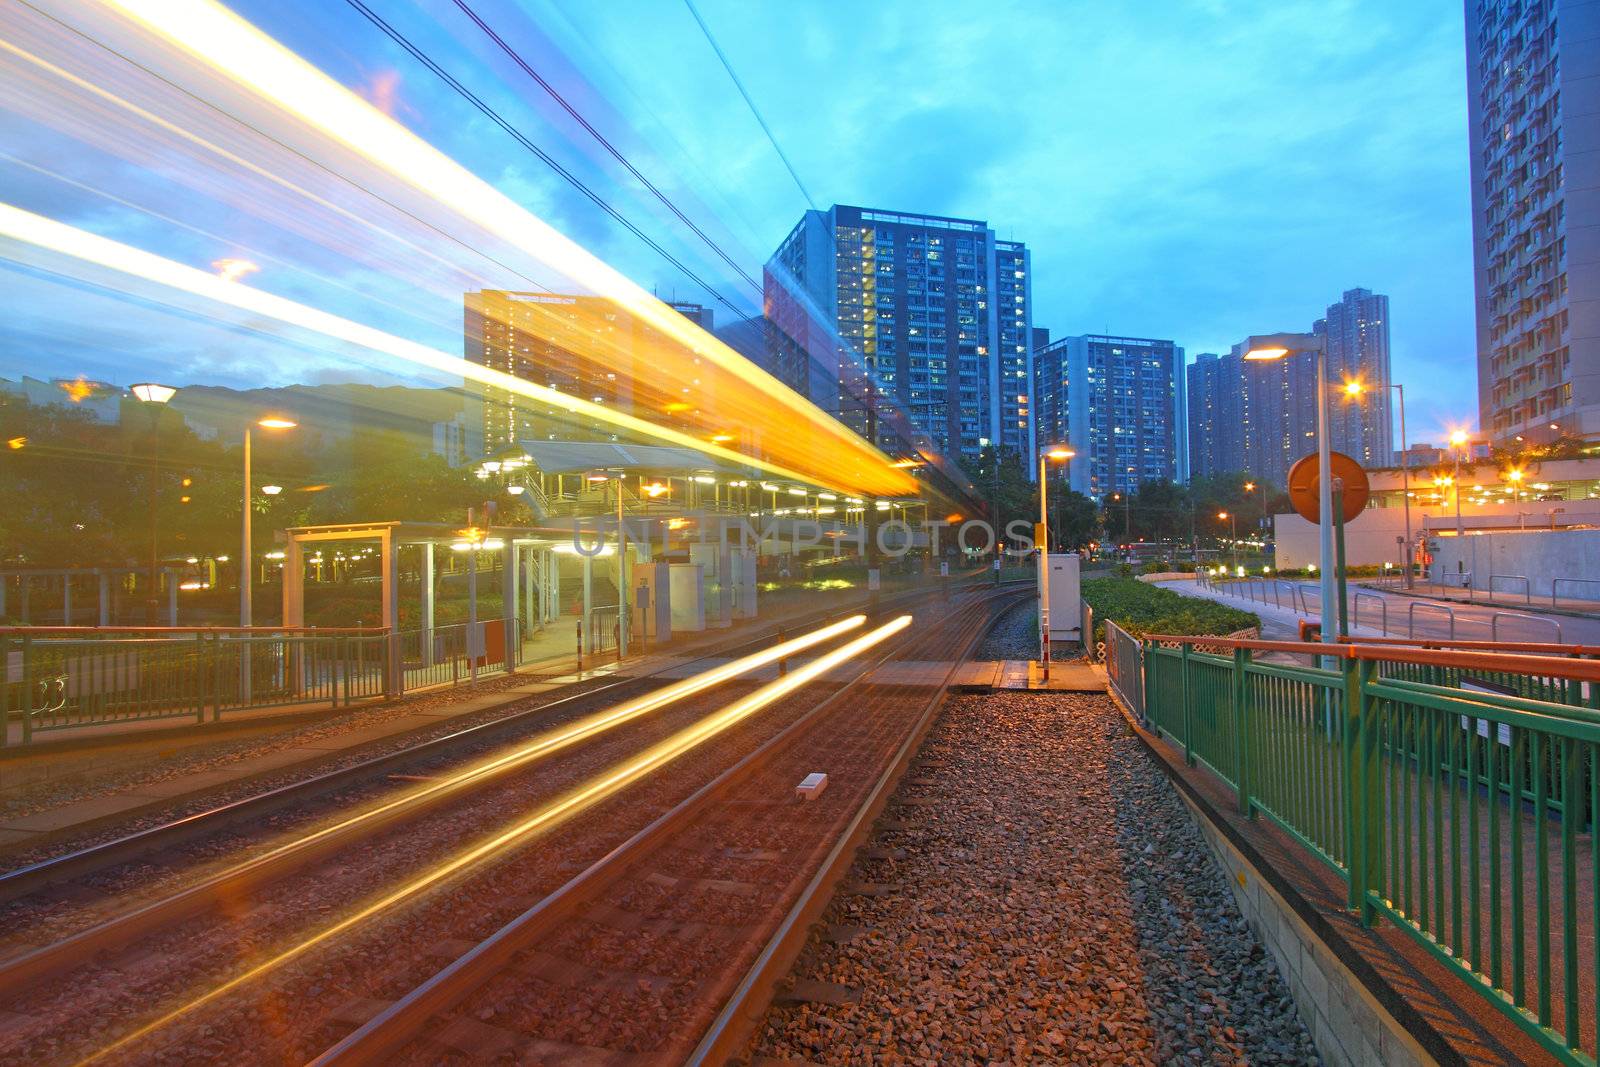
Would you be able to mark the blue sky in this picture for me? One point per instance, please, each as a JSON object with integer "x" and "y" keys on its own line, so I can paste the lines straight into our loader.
{"x": 1195, "y": 170}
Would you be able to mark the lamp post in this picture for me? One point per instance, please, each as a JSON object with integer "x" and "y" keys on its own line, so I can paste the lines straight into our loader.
{"x": 1458, "y": 441}
{"x": 1060, "y": 453}
{"x": 153, "y": 397}
{"x": 1354, "y": 389}
{"x": 1270, "y": 347}
{"x": 246, "y": 560}
{"x": 1233, "y": 533}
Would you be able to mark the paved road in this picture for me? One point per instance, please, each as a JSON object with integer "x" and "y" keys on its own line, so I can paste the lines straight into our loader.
{"x": 1413, "y": 616}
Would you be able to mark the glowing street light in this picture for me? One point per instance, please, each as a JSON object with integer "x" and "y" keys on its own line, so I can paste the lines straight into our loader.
{"x": 246, "y": 608}
{"x": 152, "y": 392}
{"x": 272, "y": 490}
{"x": 1269, "y": 347}
{"x": 1061, "y": 454}
{"x": 1458, "y": 443}
{"x": 153, "y": 396}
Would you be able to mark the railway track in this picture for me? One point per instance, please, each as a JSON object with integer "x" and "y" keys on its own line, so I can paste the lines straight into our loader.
{"x": 666, "y": 949}
{"x": 29, "y": 878}
{"x": 131, "y": 945}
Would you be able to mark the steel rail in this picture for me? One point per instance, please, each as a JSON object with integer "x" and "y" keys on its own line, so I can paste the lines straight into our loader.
{"x": 117, "y": 930}
{"x": 394, "y": 1027}
{"x": 21, "y": 881}
{"x": 753, "y": 995}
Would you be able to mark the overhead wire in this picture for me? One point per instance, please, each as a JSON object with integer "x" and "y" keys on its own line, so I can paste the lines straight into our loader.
{"x": 728, "y": 66}
{"x": 517, "y": 135}
{"x": 615, "y": 153}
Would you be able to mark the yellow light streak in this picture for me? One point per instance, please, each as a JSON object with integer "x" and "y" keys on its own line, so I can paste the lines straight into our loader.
{"x": 574, "y": 803}
{"x": 236, "y": 49}
{"x": 45, "y": 233}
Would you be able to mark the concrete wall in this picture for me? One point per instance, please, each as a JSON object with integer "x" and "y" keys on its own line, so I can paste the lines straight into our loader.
{"x": 1540, "y": 555}
{"x": 1348, "y": 1024}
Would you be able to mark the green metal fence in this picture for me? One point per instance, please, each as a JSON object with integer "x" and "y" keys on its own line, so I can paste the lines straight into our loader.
{"x": 1455, "y": 794}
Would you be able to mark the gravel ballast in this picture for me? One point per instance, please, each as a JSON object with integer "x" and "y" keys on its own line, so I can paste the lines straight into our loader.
{"x": 1051, "y": 900}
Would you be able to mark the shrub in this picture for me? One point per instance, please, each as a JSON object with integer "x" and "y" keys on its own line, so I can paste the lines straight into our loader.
{"x": 1141, "y": 608}
{"x": 1156, "y": 566}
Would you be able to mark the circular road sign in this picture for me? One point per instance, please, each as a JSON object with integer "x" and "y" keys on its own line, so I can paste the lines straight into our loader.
{"x": 1303, "y": 488}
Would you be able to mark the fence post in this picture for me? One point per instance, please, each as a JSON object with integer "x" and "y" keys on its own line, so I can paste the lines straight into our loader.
{"x": 1364, "y": 834}
{"x": 27, "y": 690}
{"x": 202, "y": 676}
{"x": 1241, "y": 725}
{"x": 1188, "y": 744}
{"x": 217, "y": 655}
{"x": 5, "y": 689}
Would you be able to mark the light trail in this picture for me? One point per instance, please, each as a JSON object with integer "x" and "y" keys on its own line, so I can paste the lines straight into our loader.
{"x": 58, "y": 237}
{"x": 547, "y": 818}
{"x": 234, "y": 48}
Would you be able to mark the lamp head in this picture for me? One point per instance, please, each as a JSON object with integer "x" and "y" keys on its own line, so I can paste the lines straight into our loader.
{"x": 1060, "y": 453}
{"x": 1458, "y": 438}
{"x": 272, "y": 490}
{"x": 276, "y": 422}
{"x": 152, "y": 392}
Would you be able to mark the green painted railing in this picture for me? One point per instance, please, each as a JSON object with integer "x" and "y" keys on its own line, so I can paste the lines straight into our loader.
{"x": 1465, "y": 816}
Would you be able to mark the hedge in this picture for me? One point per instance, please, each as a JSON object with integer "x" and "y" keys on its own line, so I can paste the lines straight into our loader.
{"x": 1141, "y": 608}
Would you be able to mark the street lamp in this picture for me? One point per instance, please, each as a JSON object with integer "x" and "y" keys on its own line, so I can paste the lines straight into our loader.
{"x": 1458, "y": 441}
{"x": 1354, "y": 388}
{"x": 153, "y": 397}
{"x": 1233, "y": 533}
{"x": 246, "y": 608}
{"x": 1267, "y": 348}
{"x": 1061, "y": 454}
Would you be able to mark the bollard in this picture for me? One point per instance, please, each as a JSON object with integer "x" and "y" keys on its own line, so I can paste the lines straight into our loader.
{"x": 616, "y": 637}
{"x": 579, "y": 626}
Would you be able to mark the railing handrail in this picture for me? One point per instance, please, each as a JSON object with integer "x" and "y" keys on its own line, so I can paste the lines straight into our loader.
{"x": 1527, "y": 585}
{"x": 1411, "y": 616}
{"x": 1554, "y": 582}
{"x": 1502, "y": 646}
{"x": 1587, "y": 670}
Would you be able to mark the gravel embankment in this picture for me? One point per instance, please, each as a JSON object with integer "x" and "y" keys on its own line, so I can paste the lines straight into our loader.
{"x": 1015, "y": 636}
{"x": 1053, "y": 902}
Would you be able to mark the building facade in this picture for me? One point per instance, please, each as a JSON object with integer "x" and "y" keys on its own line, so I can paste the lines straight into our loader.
{"x": 1248, "y": 417}
{"x": 1533, "y": 83}
{"x": 1357, "y": 332}
{"x": 1117, "y": 401}
{"x": 935, "y": 314}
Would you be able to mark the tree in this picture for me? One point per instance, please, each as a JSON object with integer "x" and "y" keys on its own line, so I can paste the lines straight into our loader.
{"x": 1074, "y": 519}
{"x": 1008, "y": 492}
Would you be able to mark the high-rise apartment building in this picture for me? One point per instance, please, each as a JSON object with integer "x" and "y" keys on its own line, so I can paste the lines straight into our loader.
{"x": 1533, "y": 84}
{"x": 1357, "y": 332}
{"x": 937, "y": 313}
{"x": 1117, "y": 401}
{"x": 1250, "y": 417}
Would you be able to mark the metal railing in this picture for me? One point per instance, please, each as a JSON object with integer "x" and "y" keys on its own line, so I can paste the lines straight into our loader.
{"x": 1411, "y": 617}
{"x": 1527, "y": 586}
{"x": 60, "y": 678}
{"x": 1383, "y": 611}
{"x": 1125, "y": 666}
{"x": 1555, "y": 584}
{"x": 1494, "y": 623}
{"x": 1455, "y": 792}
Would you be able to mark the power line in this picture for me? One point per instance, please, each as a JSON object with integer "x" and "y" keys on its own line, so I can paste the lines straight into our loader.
{"x": 606, "y": 144}
{"x": 727, "y": 66}
{"x": 517, "y": 135}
